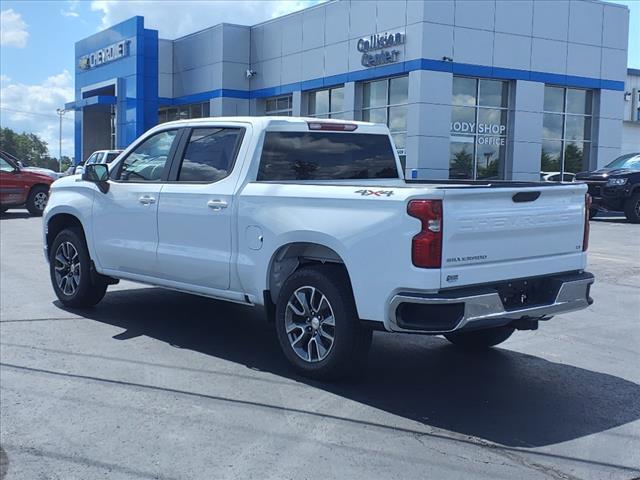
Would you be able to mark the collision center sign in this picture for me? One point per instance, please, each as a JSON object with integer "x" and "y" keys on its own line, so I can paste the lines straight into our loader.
{"x": 374, "y": 48}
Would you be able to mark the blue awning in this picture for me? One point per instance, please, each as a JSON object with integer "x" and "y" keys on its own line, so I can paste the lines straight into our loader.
{"x": 86, "y": 102}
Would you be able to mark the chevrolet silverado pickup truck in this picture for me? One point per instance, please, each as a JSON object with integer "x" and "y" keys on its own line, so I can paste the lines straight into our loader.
{"x": 312, "y": 221}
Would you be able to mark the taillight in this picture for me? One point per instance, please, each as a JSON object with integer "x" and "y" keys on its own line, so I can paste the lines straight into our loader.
{"x": 585, "y": 235}
{"x": 426, "y": 246}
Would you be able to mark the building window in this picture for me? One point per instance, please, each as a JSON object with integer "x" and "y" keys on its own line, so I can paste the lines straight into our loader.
{"x": 279, "y": 106}
{"x": 327, "y": 103}
{"x": 478, "y": 128}
{"x": 566, "y": 129}
{"x": 184, "y": 112}
{"x": 385, "y": 101}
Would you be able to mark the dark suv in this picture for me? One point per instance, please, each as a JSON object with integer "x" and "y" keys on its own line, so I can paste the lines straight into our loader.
{"x": 616, "y": 187}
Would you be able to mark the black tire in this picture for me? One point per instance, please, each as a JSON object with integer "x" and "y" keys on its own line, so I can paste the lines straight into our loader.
{"x": 480, "y": 339}
{"x": 3, "y": 209}
{"x": 351, "y": 340}
{"x": 592, "y": 212}
{"x": 632, "y": 208}
{"x": 35, "y": 203}
{"x": 89, "y": 288}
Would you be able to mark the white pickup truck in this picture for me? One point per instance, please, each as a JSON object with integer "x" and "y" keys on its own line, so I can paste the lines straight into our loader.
{"x": 312, "y": 221}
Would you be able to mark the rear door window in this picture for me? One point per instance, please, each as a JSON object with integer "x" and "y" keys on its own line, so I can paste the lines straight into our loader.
{"x": 210, "y": 154}
{"x": 326, "y": 156}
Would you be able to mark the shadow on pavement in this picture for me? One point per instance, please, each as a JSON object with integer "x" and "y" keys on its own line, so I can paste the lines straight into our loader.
{"x": 506, "y": 397}
{"x": 13, "y": 215}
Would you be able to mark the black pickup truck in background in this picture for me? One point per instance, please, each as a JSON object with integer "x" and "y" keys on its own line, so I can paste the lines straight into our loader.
{"x": 615, "y": 187}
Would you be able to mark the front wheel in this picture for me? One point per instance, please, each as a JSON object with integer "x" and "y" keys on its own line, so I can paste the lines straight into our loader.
{"x": 480, "y": 339}
{"x": 37, "y": 200}
{"x": 632, "y": 208}
{"x": 317, "y": 323}
{"x": 70, "y": 270}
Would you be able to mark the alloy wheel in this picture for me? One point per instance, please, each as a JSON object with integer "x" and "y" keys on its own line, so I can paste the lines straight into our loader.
{"x": 67, "y": 268}
{"x": 310, "y": 324}
{"x": 40, "y": 200}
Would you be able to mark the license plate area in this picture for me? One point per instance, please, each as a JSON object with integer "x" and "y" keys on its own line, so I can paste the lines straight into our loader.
{"x": 530, "y": 292}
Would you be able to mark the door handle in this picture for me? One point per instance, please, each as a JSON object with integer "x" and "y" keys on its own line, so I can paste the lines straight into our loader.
{"x": 147, "y": 200}
{"x": 217, "y": 205}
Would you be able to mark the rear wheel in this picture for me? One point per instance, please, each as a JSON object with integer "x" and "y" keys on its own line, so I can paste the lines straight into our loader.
{"x": 70, "y": 270}
{"x": 37, "y": 200}
{"x": 317, "y": 323}
{"x": 632, "y": 208}
{"x": 480, "y": 339}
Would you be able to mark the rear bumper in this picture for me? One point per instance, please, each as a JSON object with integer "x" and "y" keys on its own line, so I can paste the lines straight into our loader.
{"x": 483, "y": 306}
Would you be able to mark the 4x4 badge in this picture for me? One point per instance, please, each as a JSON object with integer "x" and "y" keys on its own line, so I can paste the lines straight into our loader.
{"x": 375, "y": 193}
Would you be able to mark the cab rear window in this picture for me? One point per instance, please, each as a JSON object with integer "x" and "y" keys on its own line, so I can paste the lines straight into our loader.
{"x": 326, "y": 156}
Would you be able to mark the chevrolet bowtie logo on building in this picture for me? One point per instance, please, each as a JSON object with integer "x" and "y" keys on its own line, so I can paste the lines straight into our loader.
{"x": 104, "y": 55}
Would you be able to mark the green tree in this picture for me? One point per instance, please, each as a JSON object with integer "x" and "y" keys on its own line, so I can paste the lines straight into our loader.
{"x": 30, "y": 149}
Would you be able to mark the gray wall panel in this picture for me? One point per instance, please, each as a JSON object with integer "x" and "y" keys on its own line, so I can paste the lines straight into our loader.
{"x": 614, "y": 64}
{"x": 390, "y": 14}
{"x": 272, "y": 40}
{"x": 235, "y": 43}
{"x": 336, "y": 58}
{"x": 585, "y": 22}
{"x": 429, "y": 40}
{"x": 475, "y": 14}
{"x": 291, "y": 27}
{"x": 313, "y": 64}
{"x": 615, "y": 27}
{"x": 512, "y": 51}
{"x": 292, "y": 68}
{"x": 548, "y": 56}
{"x": 583, "y": 60}
{"x": 313, "y": 28}
{"x": 473, "y": 46}
{"x": 362, "y": 18}
{"x": 438, "y": 11}
{"x": 514, "y": 16}
{"x": 336, "y": 22}
{"x": 551, "y": 19}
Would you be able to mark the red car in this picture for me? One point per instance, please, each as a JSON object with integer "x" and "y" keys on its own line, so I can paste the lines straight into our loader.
{"x": 20, "y": 187}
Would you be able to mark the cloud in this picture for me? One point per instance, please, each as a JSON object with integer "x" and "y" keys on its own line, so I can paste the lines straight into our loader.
{"x": 13, "y": 29}
{"x": 71, "y": 11}
{"x": 178, "y": 18}
{"x": 32, "y": 109}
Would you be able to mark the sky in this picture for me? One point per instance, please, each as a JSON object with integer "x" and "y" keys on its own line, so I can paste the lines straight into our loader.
{"x": 37, "y": 47}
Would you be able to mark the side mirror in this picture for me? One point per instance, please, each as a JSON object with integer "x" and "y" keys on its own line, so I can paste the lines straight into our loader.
{"x": 97, "y": 173}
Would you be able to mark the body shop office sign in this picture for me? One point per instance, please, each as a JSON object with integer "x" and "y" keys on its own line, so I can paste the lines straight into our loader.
{"x": 374, "y": 48}
{"x": 487, "y": 133}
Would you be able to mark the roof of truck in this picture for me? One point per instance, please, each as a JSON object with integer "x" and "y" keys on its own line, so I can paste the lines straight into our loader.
{"x": 280, "y": 123}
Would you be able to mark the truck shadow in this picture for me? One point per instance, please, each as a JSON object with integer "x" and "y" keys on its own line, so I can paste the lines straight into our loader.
{"x": 502, "y": 396}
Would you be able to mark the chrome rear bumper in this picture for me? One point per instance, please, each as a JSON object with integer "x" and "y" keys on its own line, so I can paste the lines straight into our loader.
{"x": 483, "y": 307}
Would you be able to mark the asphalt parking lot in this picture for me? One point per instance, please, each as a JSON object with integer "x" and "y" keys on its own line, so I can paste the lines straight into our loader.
{"x": 157, "y": 384}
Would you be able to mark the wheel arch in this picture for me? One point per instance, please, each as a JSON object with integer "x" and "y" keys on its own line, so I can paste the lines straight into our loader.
{"x": 290, "y": 257}
{"x": 58, "y": 222}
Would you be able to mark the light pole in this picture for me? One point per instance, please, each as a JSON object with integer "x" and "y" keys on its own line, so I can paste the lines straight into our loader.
{"x": 60, "y": 112}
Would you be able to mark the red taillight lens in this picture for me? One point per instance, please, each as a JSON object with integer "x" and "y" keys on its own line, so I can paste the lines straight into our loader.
{"x": 426, "y": 246}
{"x": 585, "y": 236}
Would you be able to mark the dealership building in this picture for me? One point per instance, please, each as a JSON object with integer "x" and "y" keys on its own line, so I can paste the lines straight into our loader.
{"x": 469, "y": 89}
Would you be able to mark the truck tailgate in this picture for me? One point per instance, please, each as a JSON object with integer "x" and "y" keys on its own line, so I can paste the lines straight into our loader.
{"x": 492, "y": 234}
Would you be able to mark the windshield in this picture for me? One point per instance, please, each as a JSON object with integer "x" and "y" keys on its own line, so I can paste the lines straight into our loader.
{"x": 631, "y": 161}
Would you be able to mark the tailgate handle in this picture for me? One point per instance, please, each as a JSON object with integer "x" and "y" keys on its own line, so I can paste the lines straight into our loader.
{"x": 525, "y": 197}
